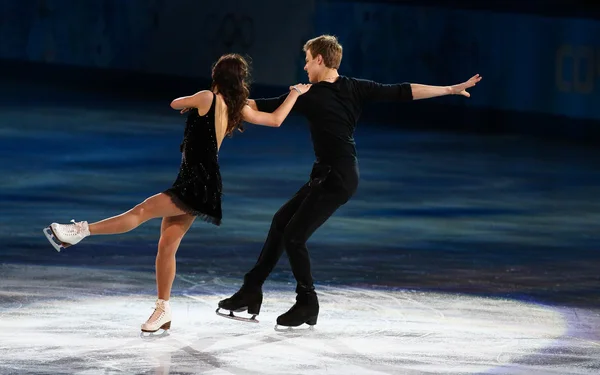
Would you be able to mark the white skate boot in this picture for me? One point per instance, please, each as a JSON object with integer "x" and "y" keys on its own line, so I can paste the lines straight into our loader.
{"x": 160, "y": 318}
{"x": 62, "y": 236}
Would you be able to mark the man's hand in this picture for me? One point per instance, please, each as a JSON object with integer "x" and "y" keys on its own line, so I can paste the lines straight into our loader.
{"x": 184, "y": 110}
{"x": 461, "y": 88}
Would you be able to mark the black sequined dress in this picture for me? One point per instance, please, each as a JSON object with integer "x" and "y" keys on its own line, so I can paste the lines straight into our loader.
{"x": 198, "y": 187}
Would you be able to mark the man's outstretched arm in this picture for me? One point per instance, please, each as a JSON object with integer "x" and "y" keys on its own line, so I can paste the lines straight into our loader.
{"x": 267, "y": 105}
{"x": 252, "y": 104}
{"x": 373, "y": 91}
{"x": 425, "y": 91}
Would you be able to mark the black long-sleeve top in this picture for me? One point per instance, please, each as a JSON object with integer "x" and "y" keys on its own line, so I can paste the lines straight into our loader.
{"x": 333, "y": 109}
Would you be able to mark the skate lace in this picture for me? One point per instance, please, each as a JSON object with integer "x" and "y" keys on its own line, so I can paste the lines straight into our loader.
{"x": 73, "y": 229}
{"x": 158, "y": 313}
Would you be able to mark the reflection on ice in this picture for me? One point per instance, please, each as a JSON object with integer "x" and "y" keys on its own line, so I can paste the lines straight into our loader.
{"x": 59, "y": 320}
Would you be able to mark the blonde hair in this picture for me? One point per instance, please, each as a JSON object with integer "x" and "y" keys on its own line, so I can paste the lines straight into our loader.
{"x": 328, "y": 47}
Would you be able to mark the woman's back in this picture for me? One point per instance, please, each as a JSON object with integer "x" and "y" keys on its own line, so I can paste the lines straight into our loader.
{"x": 198, "y": 187}
{"x": 204, "y": 133}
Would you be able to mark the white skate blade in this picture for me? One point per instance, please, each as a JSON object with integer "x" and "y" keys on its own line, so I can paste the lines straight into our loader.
{"x": 53, "y": 240}
{"x": 239, "y": 318}
{"x": 298, "y": 329}
{"x": 154, "y": 335}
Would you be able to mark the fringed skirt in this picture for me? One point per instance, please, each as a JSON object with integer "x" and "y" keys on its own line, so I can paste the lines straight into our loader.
{"x": 198, "y": 190}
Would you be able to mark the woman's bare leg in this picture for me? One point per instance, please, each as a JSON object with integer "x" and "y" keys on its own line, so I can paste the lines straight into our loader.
{"x": 159, "y": 205}
{"x": 172, "y": 231}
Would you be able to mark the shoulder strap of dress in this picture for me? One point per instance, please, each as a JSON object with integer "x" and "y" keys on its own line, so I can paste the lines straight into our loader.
{"x": 214, "y": 103}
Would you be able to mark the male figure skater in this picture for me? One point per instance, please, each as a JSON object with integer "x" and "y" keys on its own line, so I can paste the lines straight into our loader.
{"x": 332, "y": 107}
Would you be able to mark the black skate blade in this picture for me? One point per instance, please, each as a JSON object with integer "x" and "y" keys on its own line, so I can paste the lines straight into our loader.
{"x": 49, "y": 233}
{"x": 239, "y": 318}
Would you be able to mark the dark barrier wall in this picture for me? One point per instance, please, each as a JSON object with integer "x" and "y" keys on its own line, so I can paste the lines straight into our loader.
{"x": 544, "y": 67}
{"x": 530, "y": 63}
{"x": 176, "y": 37}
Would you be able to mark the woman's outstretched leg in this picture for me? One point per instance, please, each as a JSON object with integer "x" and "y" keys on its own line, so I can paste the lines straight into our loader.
{"x": 171, "y": 233}
{"x": 159, "y": 205}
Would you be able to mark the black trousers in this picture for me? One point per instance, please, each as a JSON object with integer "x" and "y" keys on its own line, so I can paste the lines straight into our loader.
{"x": 329, "y": 188}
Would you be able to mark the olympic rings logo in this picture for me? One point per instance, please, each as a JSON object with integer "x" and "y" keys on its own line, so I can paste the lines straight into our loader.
{"x": 236, "y": 30}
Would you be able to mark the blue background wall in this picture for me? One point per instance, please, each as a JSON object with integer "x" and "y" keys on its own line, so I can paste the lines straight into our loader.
{"x": 180, "y": 37}
{"x": 86, "y": 132}
{"x": 539, "y": 65}
{"x": 530, "y": 63}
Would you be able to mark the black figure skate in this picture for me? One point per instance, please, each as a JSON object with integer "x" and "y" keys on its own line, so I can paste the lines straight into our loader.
{"x": 247, "y": 298}
{"x": 305, "y": 310}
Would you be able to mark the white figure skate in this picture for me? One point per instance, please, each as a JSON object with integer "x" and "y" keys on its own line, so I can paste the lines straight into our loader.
{"x": 62, "y": 236}
{"x": 160, "y": 318}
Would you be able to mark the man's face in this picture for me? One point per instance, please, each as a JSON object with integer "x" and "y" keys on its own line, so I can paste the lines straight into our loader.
{"x": 312, "y": 67}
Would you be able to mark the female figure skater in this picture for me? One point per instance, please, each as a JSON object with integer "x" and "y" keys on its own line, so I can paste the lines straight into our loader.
{"x": 196, "y": 192}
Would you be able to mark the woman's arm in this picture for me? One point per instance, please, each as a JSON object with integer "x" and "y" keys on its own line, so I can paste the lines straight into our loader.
{"x": 276, "y": 118}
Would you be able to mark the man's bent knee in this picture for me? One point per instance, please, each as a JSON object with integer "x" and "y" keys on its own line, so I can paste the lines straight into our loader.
{"x": 292, "y": 240}
{"x": 279, "y": 223}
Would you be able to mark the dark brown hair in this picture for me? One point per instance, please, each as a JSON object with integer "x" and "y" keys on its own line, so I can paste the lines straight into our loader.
{"x": 231, "y": 79}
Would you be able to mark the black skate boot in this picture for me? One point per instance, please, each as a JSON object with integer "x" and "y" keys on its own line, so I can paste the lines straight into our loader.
{"x": 305, "y": 310}
{"x": 247, "y": 298}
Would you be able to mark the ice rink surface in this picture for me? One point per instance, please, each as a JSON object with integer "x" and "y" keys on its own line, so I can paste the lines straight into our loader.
{"x": 459, "y": 254}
